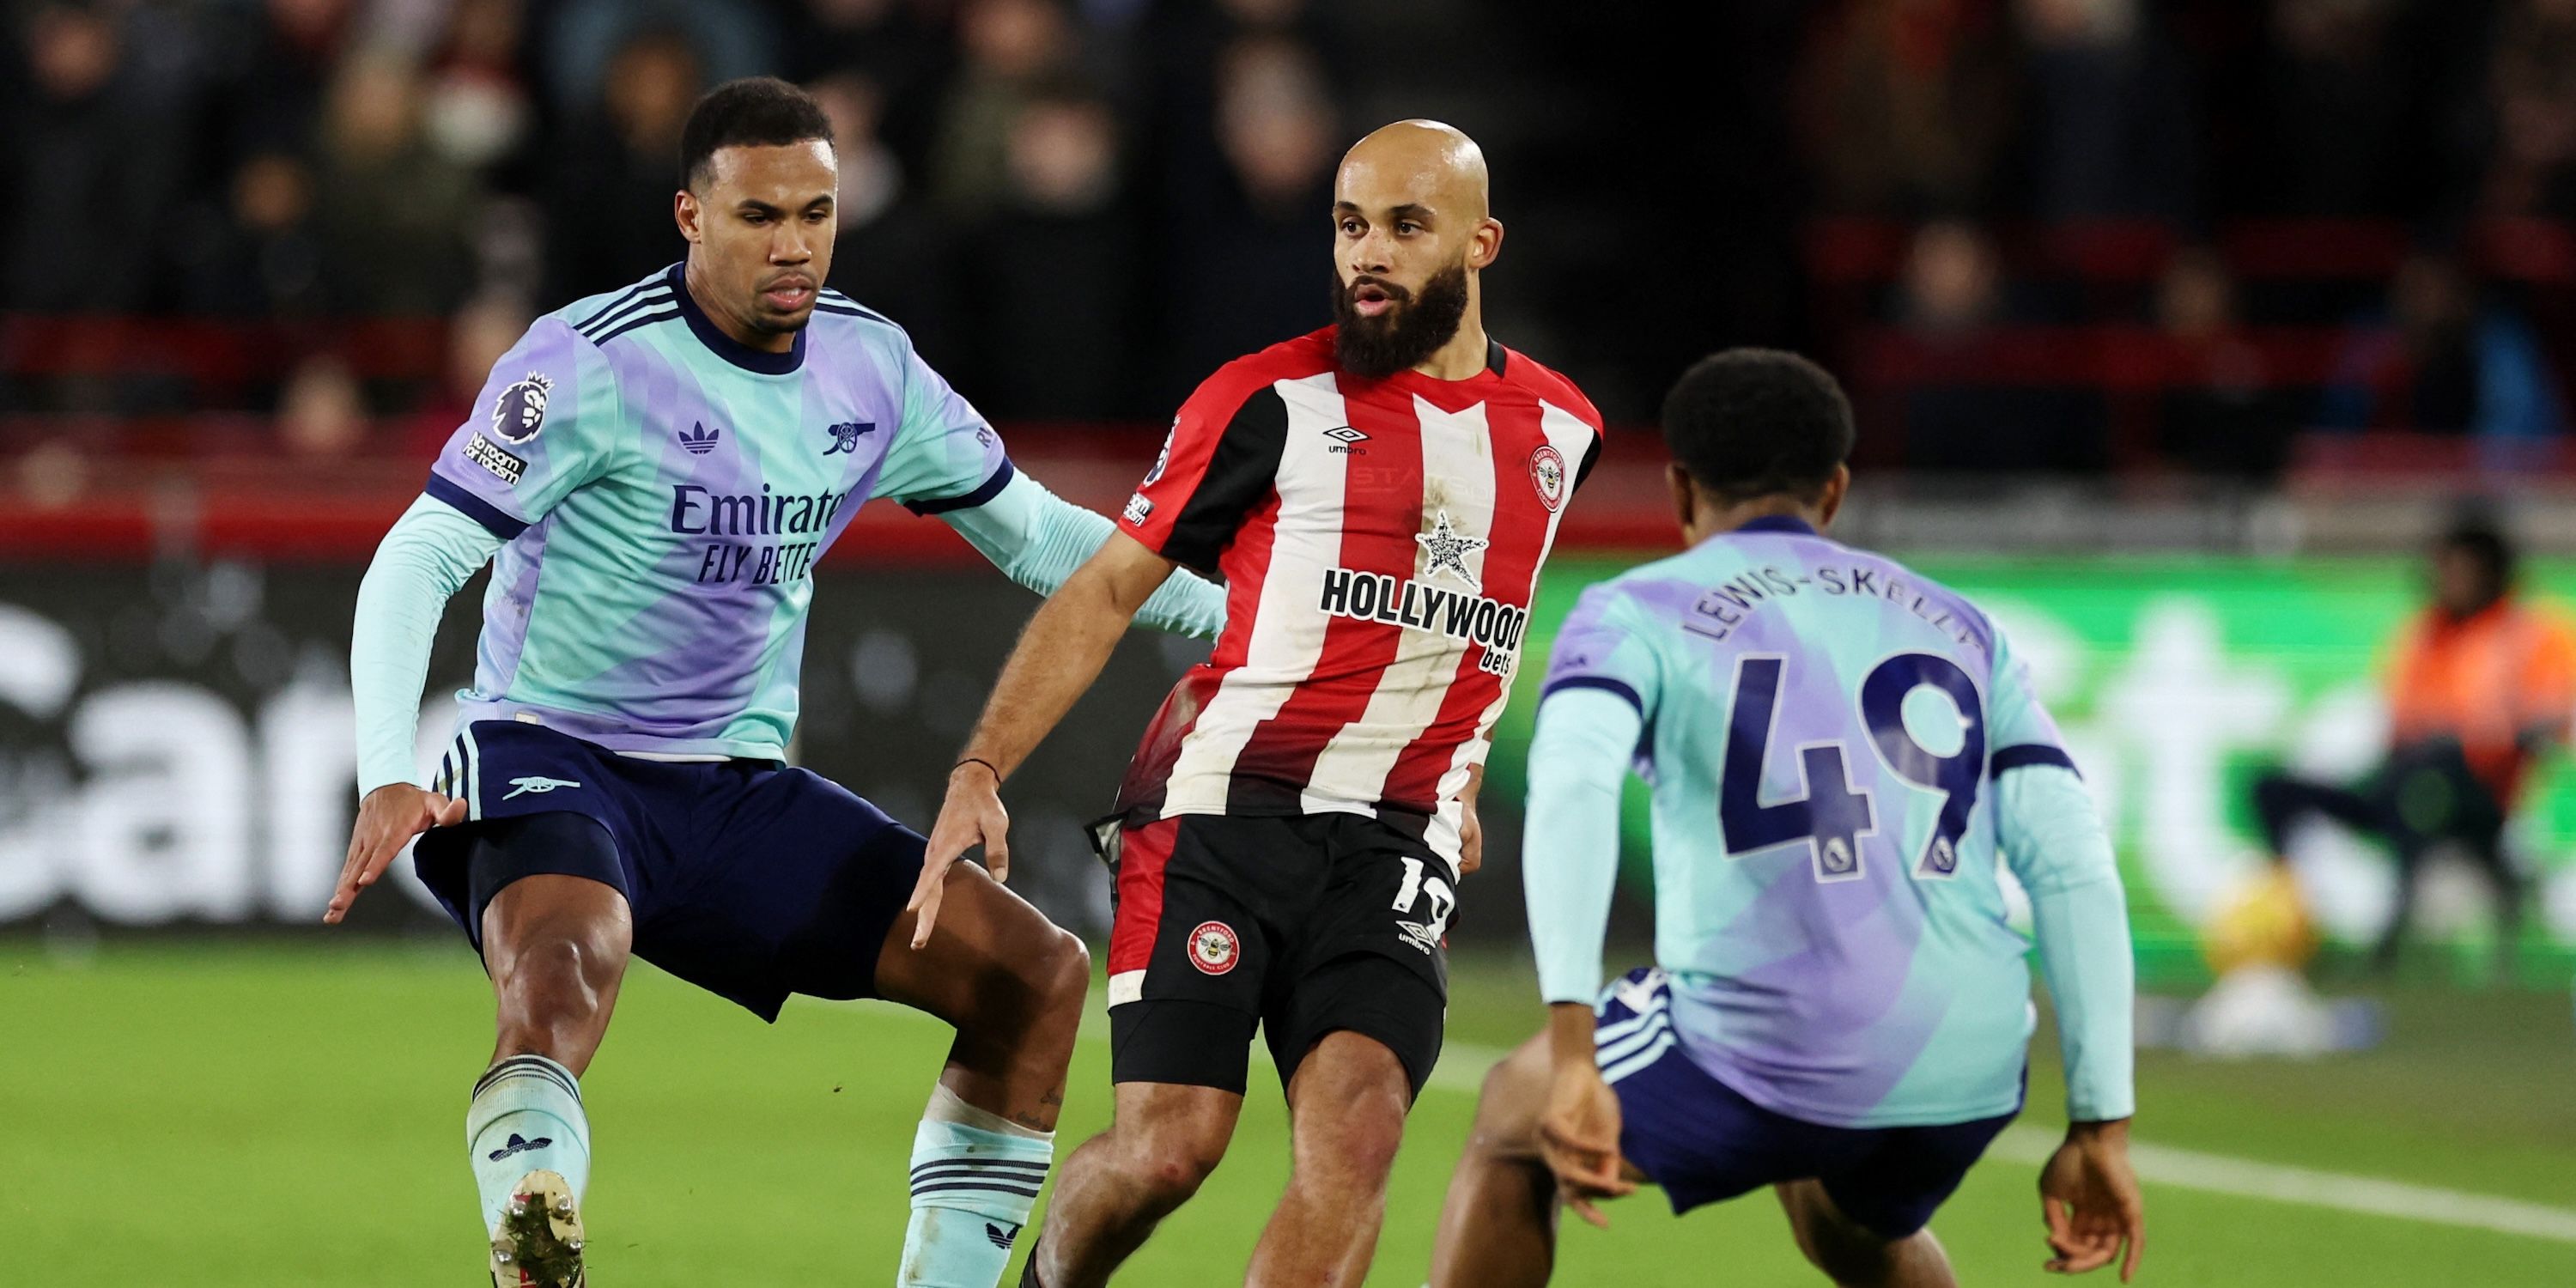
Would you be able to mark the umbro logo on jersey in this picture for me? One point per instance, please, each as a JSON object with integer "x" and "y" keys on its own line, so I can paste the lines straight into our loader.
{"x": 537, "y": 785}
{"x": 520, "y": 1144}
{"x": 698, "y": 440}
{"x": 846, "y": 435}
{"x": 1346, "y": 441}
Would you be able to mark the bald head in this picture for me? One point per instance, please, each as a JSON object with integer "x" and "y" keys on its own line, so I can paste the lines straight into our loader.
{"x": 1432, "y": 164}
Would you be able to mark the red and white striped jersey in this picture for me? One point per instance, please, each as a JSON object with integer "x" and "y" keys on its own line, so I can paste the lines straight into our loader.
{"x": 1380, "y": 541}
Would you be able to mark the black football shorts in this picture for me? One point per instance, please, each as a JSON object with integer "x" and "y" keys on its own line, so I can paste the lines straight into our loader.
{"x": 1301, "y": 926}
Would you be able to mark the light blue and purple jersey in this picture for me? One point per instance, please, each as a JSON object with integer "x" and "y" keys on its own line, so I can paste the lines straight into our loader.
{"x": 663, "y": 492}
{"x": 1824, "y": 732}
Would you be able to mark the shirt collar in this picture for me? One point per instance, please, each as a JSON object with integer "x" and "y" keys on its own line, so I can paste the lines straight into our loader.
{"x": 1778, "y": 523}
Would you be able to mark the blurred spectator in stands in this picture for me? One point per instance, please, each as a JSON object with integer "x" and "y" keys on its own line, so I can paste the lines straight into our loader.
{"x": 586, "y": 40}
{"x": 53, "y": 474}
{"x": 1973, "y": 418}
{"x": 1953, "y": 285}
{"x": 477, "y": 337}
{"x": 1010, "y": 49}
{"x": 889, "y": 253}
{"x": 1052, "y": 276}
{"x": 902, "y": 49}
{"x": 258, "y": 254}
{"x": 2442, "y": 360}
{"x": 97, "y": 169}
{"x": 2219, "y": 413}
{"x": 1180, "y": 53}
{"x": 1908, "y": 103}
{"x": 2533, "y": 95}
{"x": 394, "y": 215}
{"x": 2111, "y": 118}
{"x": 274, "y": 62}
{"x": 608, "y": 208}
{"x": 1253, "y": 269}
{"x": 2335, "y": 135}
{"x": 322, "y": 412}
{"x": 480, "y": 112}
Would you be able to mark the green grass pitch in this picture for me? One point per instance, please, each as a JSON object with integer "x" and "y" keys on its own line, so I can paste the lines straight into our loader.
{"x": 202, "y": 1115}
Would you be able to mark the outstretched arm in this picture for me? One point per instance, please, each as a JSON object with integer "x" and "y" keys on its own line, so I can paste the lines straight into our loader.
{"x": 1578, "y": 761}
{"x": 2055, "y": 843}
{"x": 1058, "y": 657}
{"x": 423, "y": 561}
{"x": 1040, "y": 540}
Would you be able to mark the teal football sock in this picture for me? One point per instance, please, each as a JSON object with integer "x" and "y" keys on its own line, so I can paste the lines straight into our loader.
{"x": 527, "y": 1116}
{"x": 975, "y": 1175}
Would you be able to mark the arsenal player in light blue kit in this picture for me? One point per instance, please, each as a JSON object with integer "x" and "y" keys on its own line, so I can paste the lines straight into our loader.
{"x": 654, "y": 475}
{"x": 1845, "y": 757}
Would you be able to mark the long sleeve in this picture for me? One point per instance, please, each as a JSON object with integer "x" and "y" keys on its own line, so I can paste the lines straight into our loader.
{"x": 2054, "y": 842}
{"x": 1578, "y": 761}
{"x": 1038, "y": 539}
{"x": 430, "y": 553}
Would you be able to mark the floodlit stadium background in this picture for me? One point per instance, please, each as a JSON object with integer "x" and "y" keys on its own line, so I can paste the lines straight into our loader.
{"x": 2133, "y": 299}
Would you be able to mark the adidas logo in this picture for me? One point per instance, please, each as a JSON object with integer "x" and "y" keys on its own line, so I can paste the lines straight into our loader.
{"x": 698, "y": 440}
{"x": 1001, "y": 1238}
{"x": 520, "y": 1144}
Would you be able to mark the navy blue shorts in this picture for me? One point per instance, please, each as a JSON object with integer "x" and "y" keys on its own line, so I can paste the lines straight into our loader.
{"x": 1702, "y": 1142}
{"x": 745, "y": 878}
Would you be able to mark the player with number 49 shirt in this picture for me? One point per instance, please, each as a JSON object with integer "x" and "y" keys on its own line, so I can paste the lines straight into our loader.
{"x": 1844, "y": 757}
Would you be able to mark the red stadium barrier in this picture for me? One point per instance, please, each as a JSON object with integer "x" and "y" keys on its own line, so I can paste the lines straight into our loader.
{"x": 335, "y": 512}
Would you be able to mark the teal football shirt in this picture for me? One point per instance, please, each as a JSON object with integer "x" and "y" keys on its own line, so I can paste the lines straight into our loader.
{"x": 663, "y": 492}
{"x": 1827, "y": 734}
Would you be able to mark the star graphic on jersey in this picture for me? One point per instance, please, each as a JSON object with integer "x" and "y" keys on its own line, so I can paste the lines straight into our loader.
{"x": 1449, "y": 549}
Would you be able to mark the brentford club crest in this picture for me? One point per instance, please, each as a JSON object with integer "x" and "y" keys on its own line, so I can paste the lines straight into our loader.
{"x": 1547, "y": 474}
{"x": 1213, "y": 948}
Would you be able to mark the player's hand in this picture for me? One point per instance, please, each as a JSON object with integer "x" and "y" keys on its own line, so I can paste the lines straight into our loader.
{"x": 388, "y": 817}
{"x": 2089, "y": 1198}
{"x": 1579, "y": 1139}
{"x": 971, "y": 815}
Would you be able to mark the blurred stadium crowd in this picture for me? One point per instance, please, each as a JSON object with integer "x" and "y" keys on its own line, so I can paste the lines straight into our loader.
{"x": 2083, "y": 236}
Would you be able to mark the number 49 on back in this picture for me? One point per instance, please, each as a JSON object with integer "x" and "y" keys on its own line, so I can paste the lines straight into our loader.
{"x": 1829, "y": 812}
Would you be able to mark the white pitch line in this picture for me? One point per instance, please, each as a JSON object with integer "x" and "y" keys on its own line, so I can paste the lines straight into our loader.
{"x": 1462, "y": 1069}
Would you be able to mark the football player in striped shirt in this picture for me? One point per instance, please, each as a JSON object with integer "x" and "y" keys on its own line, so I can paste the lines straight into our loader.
{"x": 1844, "y": 756}
{"x": 1379, "y": 497}
{"x": 659, "y": 470}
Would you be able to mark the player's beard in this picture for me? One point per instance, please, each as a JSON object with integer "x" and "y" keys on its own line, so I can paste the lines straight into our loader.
{"x": 1407, "y": 334}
